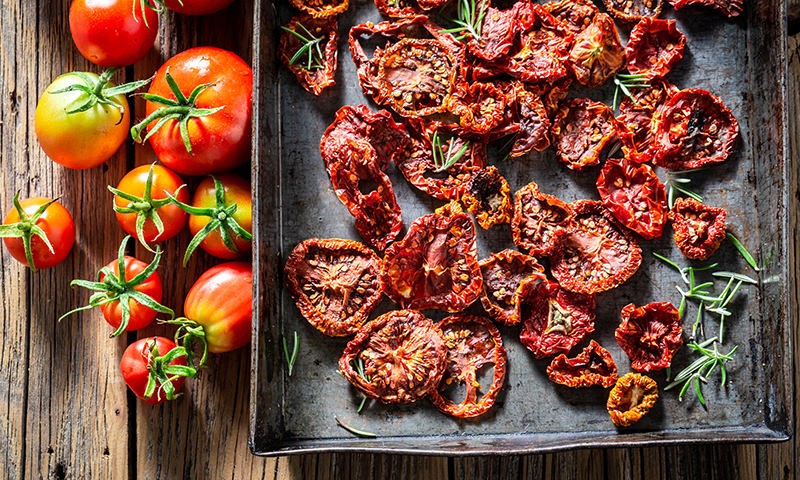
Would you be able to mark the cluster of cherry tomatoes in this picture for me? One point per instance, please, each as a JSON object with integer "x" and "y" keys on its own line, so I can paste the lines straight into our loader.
{"x": 198, "y": 121}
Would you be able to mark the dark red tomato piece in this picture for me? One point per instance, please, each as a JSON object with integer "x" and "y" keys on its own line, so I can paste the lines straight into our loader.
{"x": 25, "y": 227}
{"x": 113, "y": 33}
{"x": 650, "y": 335}
{"x": 699, "y": 229}
{"x": 575, "y": 14}
{"x": 729, "y": 8}
{"x": 435, "y": 265}
{"x": 599, "y": 254}
{"x": 314, "y": 67}
{"x": 597, "y": 53}
{"x": 634, "y": 195}
{"x": 472, "y": 344}
{"x": 631, "y": 398}
{"x": 654, "y": 47}
{"x": 487, "y": 197}
{"x": 695, "y": 129}
{"x": 321, "y": 8}
{"x": 633, "y": 10}
{"x": 553, "y": 319}
{"x": 479, "y": 106}
{"x": 593, "y": 366}
{"x": 581, "y": 130}
{"x": 540, "y": 221}
{"x": 639, "y": 117}
{"x": 503, "y": 273}
{"x": 398, "y": 8}
{"x": 403, "y": 354}
{"x": 197, "y": 7}
{"x": 551, "y": 94}
{"x": 499, "y": 29}
{"x": 335, "y": 283}
{"x": 534, "y": 124}
{"x": 154, "y": 368}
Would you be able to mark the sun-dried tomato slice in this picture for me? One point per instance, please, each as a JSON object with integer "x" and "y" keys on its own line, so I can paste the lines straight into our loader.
{"x": 592, "y": 367}
{"x": 551, "y": 93}
{"x": 498, "y": 30}
{"x": 534, "y": 124}
{"x": 575, "y": 14}
{"x": 503, "y": 273}
{"x": 450, "y": 208}
{"x": 631, "y": 398}
{"x": 335, "y": 283}
{"x": 581, "y": 130}
{"x": 634, "y": 195}
{"x": 472, "y": 343}
{"x": 398, "y": 8}
{"x": 321, "y": 8}
{"x": 729, "y": 8}
{"x": 598, "y": 254}
{"x": 316, "y": 66}
{"x": 487, "y": 197}
{"x": 435, "y": 265}
{"x": 650, "y": 335}
{"x": 633, "y": 10}
{"x": 479, "y": 106}
{"x": 403, "y": 354}
{"x": 639, "y": 116}
{"x": 699, "y": 229}
{"x": 654, "y": 47}
{"x": 597, "y": 53}
{"x": 553, "y": 319}
{"x": 540, "y": 221}
{"x": 695, "y": 129}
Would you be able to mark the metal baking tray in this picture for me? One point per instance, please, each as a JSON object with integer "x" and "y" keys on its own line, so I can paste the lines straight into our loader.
{"x": 741, "y": 60}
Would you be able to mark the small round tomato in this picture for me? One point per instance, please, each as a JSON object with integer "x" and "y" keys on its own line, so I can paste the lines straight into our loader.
{"x": 159, "y": 358}
{"x": 113, "y": 33}
{"x": 197, "y": 7}
{"x": 28, "y": 221}
{"x": 140, "y": 315}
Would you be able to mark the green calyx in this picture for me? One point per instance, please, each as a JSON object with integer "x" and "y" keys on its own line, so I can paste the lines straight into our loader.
{"x": 162, "y": 374}
{"x": 98, "y": 92}
{"x": 181, "y": 109}
{"x": 221, "y": 216}
{"x": 26, "y": 228}
{"x": 111, "y": 286}
{"x": 156, "y": 6}
{"x": 189, "y": 334}
{"x": 145, "y": 207}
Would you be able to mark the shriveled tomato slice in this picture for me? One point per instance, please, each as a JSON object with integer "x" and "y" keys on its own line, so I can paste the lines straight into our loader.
{"x": 631, "y": 398}
{"x": 599, "y": 253}
{"x": 403, "y": 354}
{"x": 503, "y": 273}
{"x": 435, "y": 265}
{"x": 472, "y": 343}
{"x": 314, "y": 67}
{"x": 335, "y": 283}
{"x": 321, "y": 8}
{"x": 581, "y": 130}
{"x": 534, "y": 124}
{"x": 551, "y": 94}
{"x": 695, "y": 129}
{"x": 575, "y": 14}
{"x": 593, "y": 366}
{"x": 634, "y": 195}
{"x": 479, "y": 106}
{"x": 699, "y": 229}
{"x": 633, "y": 10}
{"x": 639, "y": 117}
{"x": 540, "y": 221}
{"x": 597, "y": 53}
{"x": 729, "y": 8}
{"x": 650, "y": 335}
{"x": 398, "y": 8}
{"x": 553, "y": 319}
{"x": 498, "y": 31}
{"x": 654, "y": 47}
{"x": 487, "y": 197}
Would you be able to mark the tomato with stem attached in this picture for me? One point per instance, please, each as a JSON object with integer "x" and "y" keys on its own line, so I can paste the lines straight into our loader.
{"x": 154, "y": 368}
{"x": 197, "y": 7}
{"x": 38, "y": 232}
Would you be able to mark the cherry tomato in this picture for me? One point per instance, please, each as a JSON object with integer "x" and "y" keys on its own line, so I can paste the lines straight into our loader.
{"x": 150, "y": 356}
{"x": 236, "y": 192}
{"x": 56, "y": 223}
{"x": 113, "y": 33}
{"x": 140, "y": 315}
{"x": 197, "y": 7}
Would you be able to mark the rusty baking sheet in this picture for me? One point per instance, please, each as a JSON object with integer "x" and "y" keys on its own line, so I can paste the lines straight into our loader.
{"x": 741, "y": 60}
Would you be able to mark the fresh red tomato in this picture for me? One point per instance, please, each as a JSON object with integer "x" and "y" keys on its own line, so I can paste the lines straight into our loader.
{"x": 28, "y": 222}
{"x": 140, "y": 315}
{"x": 159, "y": 358}
{"x": 211, "y": 99}
{"x": 113, "y": 33}
{"x": 197, "y": 7}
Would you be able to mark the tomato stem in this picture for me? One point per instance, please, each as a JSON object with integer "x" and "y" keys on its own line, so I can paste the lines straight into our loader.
{"x": 98, "y": 92}
{"x": 161, "y": 373}
{"x": 188, "y": 334}
{"x": 26, "y": 228}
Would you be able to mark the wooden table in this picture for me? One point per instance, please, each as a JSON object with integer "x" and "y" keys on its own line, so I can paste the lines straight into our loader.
{"x": 64, "y": 409}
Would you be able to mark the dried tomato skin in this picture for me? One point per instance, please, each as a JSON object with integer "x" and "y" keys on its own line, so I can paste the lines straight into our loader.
{"x": 591, "y": 68}
{"x": 650, "y": 335}
{"x": 583, "y": 371}
{"x": 326, "y": 9}
{"x": 398, "y": 8}
{"x": 477, "y": 339}
{"x": 435, "y": 266}
{"x": 534, "y": 124}
{"x": 622, "y": 258}
{"x": 479, "y": 106}
{"x": 622, "y": 412}
{"x": 487, "y": 197}
{"x": 300, "y": 274}
{"x": 316, "y": 80}
{"x": 699, "y": 229}
{"x": 503, "y": 273}
{"x": 575, "y": 14}
{"x": 729, "y": 8}
{"x": 638, "y": 10}
{"x": 634, "y": 195}
{"x": 497, "y": 33}
{"x": 572, "y": 315}
{"x": 540, "y": 221}
{"x": 678, "y": 133}
{"x": 638, "y": 118}
{"x": 654, "y": 47}
{"x": 551, "y": 94}
{"x": 404, "y": 339}
{"x": 574, "y": 138}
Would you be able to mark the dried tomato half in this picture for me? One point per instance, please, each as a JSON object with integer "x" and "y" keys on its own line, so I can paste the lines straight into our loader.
{"x": 534, "y": 124}
{"x": 314, "y": 67}
{"x": 639, "y": 115}
{"x": 650, "y": 335}
{"x": 699, "y": 229}
{"x": 503, "y": 273}
{"x": 403, "y": 354}
{"x": 695, "y": 129}
{"x": 581, "y": 130}
{"x": 472, "y": 343}
{"x": 575, "y": 14}
{"x": 597, "y": 53}
{"x": 729, "y": 8}
{"x": 479, "y": 106}
{"x": 553, "y": 319}
{"x": 498, "y": 31}
{"x": 654, "y": 47}
{"x": 634, "y": 195}
{"x": 631, "y": 398}
{"x": 599, "y": 254}
{"x": 398, "y": 8}
{"x": 487, "y": 196}
{"x": 540, "y": 221}
{"x": 633, "y": 10}
{"x": 321, "y": 8}
{"x": 335, "y": 283}
{"x": 435, "y": 265}
{"x": 551, "y": 94}
{"x": 593, "y": 366}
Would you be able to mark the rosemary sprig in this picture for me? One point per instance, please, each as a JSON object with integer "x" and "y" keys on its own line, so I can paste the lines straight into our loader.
{"x": 443, "y": 160}
{"x": 354, "y": 431}
{"x": 702, "y": 368}
{"x": 680, "y": 184}
{"x": 291, "y": 357}
{"x": 470, "y": 18}
{"x": 625, "y": 82}
{"x": 310, "y": 47}
{"x": 360, "y": 370}
{"x": 743, "y": 251}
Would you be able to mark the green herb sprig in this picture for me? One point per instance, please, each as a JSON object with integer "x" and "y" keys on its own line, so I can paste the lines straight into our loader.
{"x": 360, "y": 370}
{"x": 291, "y": 357}
{"x": 311, "y": 48}
{"x": 442, "y": 159}
{"x": 625, "y": 82}
{"x": 354, "y": 431}
{"x": 676, "y": 183}
{"x": 470, "y": 15}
